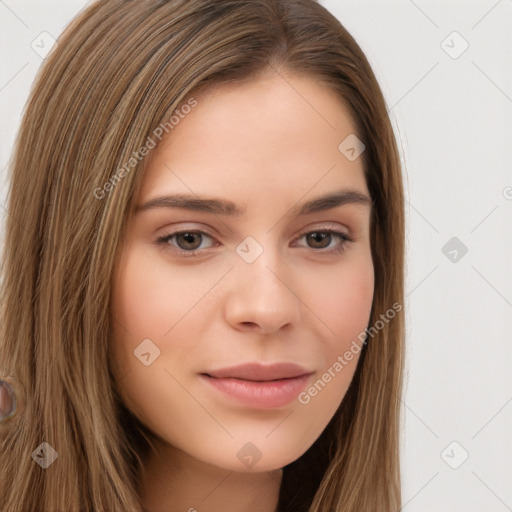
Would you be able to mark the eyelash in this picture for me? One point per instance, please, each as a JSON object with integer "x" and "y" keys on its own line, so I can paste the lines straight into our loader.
{"x": 164, "y": 241}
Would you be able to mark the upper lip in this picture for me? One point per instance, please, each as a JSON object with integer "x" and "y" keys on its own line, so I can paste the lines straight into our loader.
{"x": 260, "y": 372}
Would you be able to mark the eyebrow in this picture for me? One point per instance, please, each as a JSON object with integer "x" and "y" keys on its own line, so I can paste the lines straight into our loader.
{"x": 225, "y": 207}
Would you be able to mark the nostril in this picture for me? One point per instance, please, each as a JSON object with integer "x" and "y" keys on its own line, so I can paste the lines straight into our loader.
{"x": 249, "y": 324}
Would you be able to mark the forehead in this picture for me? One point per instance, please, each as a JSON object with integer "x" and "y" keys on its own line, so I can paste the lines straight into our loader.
{"x": 280, "y": 132}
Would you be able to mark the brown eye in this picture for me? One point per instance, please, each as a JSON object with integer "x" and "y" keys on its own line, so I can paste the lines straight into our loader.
{"x": 186, "y": 243}
{"x": 318, "y": 239}
{"x": 189, "y": 241}
{"x": 321, "y": 241}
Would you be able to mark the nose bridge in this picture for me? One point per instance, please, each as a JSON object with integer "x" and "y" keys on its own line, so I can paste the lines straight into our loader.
{"x": 261, "y": 291}
{"x": 261, "y": 268}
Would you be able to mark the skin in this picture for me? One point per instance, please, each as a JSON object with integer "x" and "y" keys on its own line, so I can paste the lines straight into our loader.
{"x": 269, "y": 145}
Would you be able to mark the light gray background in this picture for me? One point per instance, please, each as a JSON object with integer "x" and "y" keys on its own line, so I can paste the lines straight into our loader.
{"x": 453, "y": 120}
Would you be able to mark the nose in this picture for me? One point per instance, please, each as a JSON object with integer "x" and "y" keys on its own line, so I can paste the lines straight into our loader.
{"x": 262, "y": 295}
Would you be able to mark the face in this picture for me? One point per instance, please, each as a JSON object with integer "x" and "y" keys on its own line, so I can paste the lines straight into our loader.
{"x": 232, "y": 316}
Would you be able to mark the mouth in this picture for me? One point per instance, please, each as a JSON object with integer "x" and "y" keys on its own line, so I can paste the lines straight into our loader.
{"x": 259, "y": 386}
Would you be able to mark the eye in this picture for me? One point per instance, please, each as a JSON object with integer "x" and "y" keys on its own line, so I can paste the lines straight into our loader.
{"x": 188, "y": 242}
{"x": 321, "y": 240}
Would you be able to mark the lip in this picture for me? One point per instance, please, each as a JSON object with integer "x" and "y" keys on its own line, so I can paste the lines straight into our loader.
{"x": 260, "y": 372}
{"x": 260, "y": 386}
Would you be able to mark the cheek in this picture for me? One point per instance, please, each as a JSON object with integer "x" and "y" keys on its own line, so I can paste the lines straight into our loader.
{"x": 343, "y": 304}
{"x": 147, "y": 301}
{"x": 141, "y": 306}
{"x": 151, "y": 296}
{"x": 343, "y": 298}
{"x": 156, "y": 301}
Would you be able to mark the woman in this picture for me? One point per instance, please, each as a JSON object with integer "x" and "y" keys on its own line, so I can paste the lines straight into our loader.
{"x": 264, "y": 373}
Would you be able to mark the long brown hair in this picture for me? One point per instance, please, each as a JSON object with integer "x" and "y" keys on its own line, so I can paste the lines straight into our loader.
{"x": 121, "y": 68}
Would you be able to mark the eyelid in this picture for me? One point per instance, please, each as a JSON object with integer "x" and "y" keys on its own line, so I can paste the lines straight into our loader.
{"x": 324, "y": 226}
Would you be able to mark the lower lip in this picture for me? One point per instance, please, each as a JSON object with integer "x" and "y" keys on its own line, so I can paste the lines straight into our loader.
{"x": 263, "y": 395}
